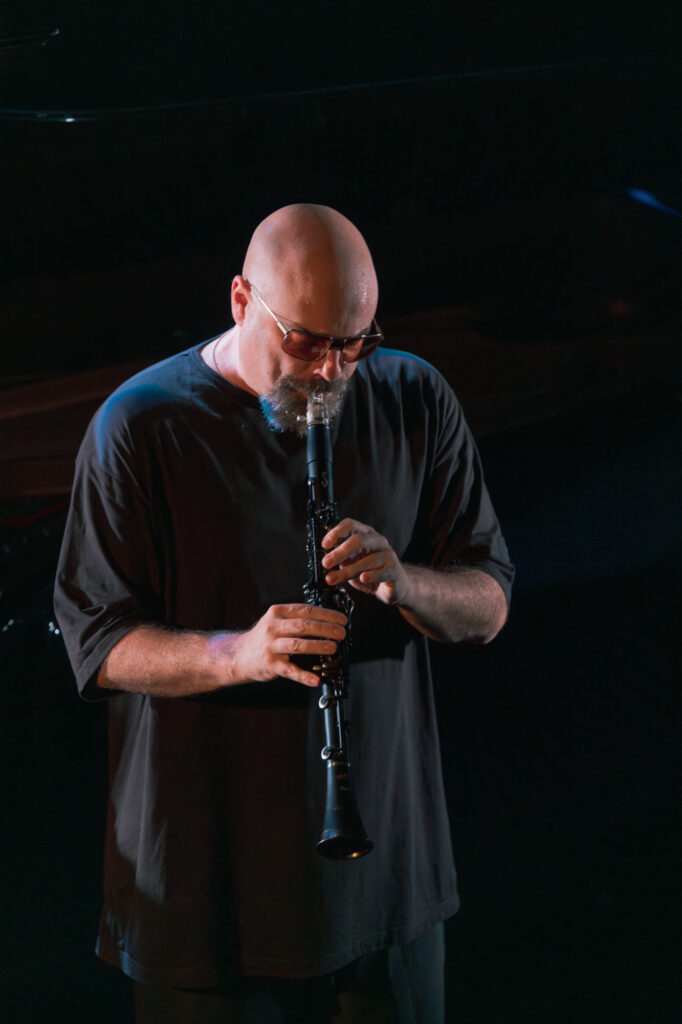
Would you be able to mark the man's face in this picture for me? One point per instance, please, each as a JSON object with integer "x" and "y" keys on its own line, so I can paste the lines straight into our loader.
{"x": 284, "y": 382}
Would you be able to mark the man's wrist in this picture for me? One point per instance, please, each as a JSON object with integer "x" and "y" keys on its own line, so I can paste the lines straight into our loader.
{"x": 407, "y": 587}
{"x": 223, "y": 663}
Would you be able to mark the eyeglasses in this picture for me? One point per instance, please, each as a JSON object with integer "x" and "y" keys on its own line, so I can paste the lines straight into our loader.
{"x": 303, "y": 344}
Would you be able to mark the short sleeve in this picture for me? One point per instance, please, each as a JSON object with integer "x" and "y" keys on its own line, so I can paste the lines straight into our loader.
{"x": 107, "y": 579}
{"x": 460, "y": 526}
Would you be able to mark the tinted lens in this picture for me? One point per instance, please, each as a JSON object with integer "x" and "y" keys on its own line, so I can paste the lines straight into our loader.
{"x": 302, "y": 345}
{"x": 311, "y": 347}
{"x": 351, "y": 350}
{"x": 362, "y": 348}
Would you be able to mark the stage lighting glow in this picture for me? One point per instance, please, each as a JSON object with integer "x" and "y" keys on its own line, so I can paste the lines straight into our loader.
{"x": 640, "y": 195}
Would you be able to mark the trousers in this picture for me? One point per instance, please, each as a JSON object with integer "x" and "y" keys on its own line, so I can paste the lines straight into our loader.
{"x": 403, "y": 984}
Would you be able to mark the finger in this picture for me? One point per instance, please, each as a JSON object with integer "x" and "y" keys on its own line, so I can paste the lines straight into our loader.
{"x": 353, "y": 570}
{"x": 296, "y": 645}
{"x": 375, "y": 576}
{"x": 340, "y": 532}
{"x": 369, "y": 560}
{"x": 309, "y": 612}
{"x": 347, "y": 549}
{"x": 310, "y": 628}
{"x": 289, "y": 670}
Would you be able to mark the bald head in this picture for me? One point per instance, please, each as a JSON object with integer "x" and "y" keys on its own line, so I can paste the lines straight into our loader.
{"x": 311, "y": 262}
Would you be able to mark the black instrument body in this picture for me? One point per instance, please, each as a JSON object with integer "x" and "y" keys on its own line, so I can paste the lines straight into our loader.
{"x": 343, "y": 836}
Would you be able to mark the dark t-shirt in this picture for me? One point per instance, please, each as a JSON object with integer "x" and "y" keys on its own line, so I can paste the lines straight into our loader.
{"x": 188, "y": 510}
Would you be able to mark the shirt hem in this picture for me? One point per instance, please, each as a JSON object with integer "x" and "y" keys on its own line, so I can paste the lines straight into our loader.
{"x": 272, "y": 966}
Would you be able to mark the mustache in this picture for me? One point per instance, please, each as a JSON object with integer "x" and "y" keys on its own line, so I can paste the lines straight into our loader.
{"x": 315, "y": 386}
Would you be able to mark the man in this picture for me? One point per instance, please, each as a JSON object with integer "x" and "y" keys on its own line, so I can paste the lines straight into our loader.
{"x": 179, "y": 595}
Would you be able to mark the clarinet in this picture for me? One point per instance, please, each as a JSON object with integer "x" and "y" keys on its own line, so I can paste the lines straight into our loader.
{"x": 343, "y": 836}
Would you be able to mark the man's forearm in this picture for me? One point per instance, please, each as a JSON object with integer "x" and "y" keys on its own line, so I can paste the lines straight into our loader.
{"x": 454, "y": 604}
{"x": 172, "y": 663}
{"x": 168, "y": 663}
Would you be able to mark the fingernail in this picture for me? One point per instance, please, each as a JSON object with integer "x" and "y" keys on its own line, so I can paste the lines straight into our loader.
{"x": 331, "y": 577}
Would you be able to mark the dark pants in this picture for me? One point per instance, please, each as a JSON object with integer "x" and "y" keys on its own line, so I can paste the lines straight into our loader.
{"x": 400, "y": 985}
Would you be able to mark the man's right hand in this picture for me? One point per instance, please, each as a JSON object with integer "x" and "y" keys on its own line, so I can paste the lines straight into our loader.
{"x": 263, "y": 652}
{"x": 170, "y": 663}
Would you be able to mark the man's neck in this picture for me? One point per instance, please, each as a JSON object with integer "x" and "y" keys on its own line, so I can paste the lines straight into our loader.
{"x": 222, "y": 355}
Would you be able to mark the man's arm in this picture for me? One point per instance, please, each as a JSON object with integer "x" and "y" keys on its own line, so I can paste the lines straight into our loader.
{"x": 453, "y": 604}
{"x": 172, "y": 663}
{"x": 450, "y": 604}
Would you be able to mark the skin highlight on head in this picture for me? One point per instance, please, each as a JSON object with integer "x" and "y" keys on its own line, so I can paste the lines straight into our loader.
{"x": 316, "y": 267}
{"x": 313, "y": 267}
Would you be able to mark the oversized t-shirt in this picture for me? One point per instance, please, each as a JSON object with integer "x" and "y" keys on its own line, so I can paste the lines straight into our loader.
{"x": 188, "y": 510}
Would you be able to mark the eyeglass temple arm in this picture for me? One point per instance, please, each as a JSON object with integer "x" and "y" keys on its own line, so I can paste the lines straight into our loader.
{"x": 265, "y": 305}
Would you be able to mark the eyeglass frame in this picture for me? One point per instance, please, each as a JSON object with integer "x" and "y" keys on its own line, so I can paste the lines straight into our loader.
{"x": 334, "y": 343}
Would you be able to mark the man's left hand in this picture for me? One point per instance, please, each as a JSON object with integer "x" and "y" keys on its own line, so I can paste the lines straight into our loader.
{"x": 358, "y": 555}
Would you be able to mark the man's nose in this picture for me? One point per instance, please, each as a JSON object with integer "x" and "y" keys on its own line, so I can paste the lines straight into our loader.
{"x": 332, "y": 366}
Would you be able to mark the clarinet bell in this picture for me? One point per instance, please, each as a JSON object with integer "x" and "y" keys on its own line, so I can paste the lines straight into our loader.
{"x": 343, "y": 835}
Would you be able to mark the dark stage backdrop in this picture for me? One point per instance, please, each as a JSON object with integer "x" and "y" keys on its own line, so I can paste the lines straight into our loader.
{"x": 516, "y": 172}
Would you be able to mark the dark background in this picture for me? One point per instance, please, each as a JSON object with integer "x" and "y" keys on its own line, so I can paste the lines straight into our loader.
{"x": 515, "y": 169}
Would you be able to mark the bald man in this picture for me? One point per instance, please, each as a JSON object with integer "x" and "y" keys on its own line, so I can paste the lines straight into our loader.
{"x": 179, "y": 596}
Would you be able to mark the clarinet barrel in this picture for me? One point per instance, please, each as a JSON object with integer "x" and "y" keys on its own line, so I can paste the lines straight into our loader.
{"x": 343, "y": 835}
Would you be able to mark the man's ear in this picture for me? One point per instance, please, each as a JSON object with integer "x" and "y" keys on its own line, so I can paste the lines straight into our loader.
{"x": 239, "y": 298}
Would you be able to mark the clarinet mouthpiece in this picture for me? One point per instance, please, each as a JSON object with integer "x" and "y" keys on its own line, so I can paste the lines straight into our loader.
{"x": 317, "y": 413}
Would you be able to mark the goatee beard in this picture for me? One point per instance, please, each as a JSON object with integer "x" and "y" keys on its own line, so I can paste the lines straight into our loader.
{"x": 284, "y": 406}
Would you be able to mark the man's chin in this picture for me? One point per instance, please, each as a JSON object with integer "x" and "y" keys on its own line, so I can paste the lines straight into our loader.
{"x": 285, "y": 405}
